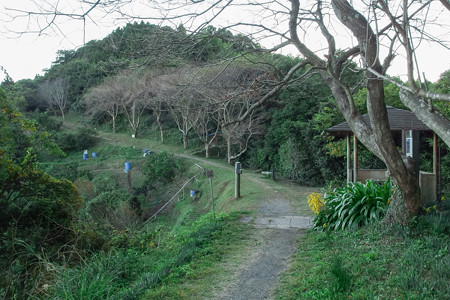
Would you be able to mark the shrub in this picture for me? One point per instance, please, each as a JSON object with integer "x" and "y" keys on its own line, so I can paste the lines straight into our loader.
{"x": 81, "y": 140}
{"x": 45, "y": 122}
{"x": 161, "y": 168}
{"x": 354, "y": 205}
{"x": 105, "y": 182}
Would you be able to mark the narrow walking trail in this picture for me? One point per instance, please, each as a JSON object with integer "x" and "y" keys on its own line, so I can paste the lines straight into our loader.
{"x": 278, "y": 234}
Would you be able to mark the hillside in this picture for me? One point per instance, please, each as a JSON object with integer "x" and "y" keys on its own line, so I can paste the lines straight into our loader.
{"x": 137, "y": 217}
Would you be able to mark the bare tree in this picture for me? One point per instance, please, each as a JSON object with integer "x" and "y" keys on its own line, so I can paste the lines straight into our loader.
{"x": 208, "y": 124}
{"x": 182, "y": 99}
{"x": 136, "y": 100}
{"x": 238, "y": 135}
{"x": 54, "y": 94}
{"x": 106, "y": 98}
{"x": 237, "y": 88}
{"x": 157, "y": 105}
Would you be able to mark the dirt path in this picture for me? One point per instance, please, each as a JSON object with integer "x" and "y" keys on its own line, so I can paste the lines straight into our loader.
{"x": 269, "y": 255}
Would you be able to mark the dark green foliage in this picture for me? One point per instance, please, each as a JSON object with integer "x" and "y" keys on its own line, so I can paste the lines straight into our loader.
{"x": 294, "y": 145}
{"x": 161, "y": 167}
{"x": 104, "y": 182}
{"x": 36, "y": 210}
{"x": 45, "y": 122}
{"x": 443, "y": 84}
{"x": 67, "y": 171}
{"x": 354, "y": 205}
{"x": 83, "y": 139}
{"x": 140, "y": 44}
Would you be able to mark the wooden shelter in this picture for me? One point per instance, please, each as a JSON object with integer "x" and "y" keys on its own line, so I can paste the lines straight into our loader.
{"x": 407, "y": 128}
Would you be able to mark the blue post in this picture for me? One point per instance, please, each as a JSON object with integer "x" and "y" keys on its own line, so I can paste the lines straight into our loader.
{"x": 127, "y": 166}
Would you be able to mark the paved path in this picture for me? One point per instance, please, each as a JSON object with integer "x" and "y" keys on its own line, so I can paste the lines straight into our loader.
{"x": 278, "y": 234}
{"x": 279, "y": 222}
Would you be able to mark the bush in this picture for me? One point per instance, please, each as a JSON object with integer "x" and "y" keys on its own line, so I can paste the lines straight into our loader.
{"x": 161, "y": 168}
{"x": 354, "y": 205}
{"x": 105, "y": 182}
{"x": 81, "y": 140}
{"x": 45, "y": 122}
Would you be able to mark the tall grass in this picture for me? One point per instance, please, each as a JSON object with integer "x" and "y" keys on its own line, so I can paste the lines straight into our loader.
{"x": 128, "y": 273}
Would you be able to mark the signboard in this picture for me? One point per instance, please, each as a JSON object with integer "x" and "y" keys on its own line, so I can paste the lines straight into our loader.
{"x": 237, "y": 168}
{"x": 408, "y": 143}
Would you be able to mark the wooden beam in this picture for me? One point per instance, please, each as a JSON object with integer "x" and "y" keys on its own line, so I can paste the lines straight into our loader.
{"x": 349, "y": 159}
{"x": 355, "y": 158}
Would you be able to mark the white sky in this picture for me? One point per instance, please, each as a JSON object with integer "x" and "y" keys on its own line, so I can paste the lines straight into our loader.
{"x": 28, "y": 55}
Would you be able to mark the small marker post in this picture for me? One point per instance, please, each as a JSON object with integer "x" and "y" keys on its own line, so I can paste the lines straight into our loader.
{"x": 237, "y": 181}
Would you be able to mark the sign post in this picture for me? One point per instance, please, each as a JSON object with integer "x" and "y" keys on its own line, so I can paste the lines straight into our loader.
{"x": 237, "y": 181}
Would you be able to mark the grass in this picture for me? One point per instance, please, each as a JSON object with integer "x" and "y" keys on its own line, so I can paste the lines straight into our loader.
{"x": 179, "y": 268}
{"x": 375, "y": 262}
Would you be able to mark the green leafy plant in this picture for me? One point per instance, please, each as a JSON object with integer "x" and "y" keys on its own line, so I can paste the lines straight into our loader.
{"x": 161, "y": 167}
{"x": 341, "y": 279}
{"x": 354, "y": 205}
{"x": 83, "y": 139}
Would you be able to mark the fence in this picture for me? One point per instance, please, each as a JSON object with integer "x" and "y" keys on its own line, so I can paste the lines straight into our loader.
{"x": 173, "y": 197}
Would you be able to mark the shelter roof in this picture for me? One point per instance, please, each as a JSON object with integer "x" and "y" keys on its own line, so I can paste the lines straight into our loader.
{"x": 399, "y": 119}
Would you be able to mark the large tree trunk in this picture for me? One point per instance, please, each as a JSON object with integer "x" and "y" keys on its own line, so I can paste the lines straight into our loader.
{"x": 380, "y": 131}
{"x": 404, "y": 177}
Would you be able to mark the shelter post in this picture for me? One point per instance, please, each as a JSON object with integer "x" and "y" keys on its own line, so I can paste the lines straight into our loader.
{"x": 355, "y": 158}
{"x": 349, "y": 159}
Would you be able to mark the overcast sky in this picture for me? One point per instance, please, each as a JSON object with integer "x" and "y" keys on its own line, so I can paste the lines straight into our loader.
{"x": 28, "y": 55}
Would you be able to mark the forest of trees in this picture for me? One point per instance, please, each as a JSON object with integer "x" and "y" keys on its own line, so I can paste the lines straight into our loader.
{"x": 210, "y": 92}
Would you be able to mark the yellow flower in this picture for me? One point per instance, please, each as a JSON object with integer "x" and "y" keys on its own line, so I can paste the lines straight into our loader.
{"x": 324, "y": 225}
{"x": 428, "y": 209}
{"x": 442, "y": 198}
{"x": 434, "y": 207}
{"x": 315, "y": 202}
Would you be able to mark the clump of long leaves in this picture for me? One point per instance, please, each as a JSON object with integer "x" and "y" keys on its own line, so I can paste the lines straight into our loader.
{"x": 354, "y": 205}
